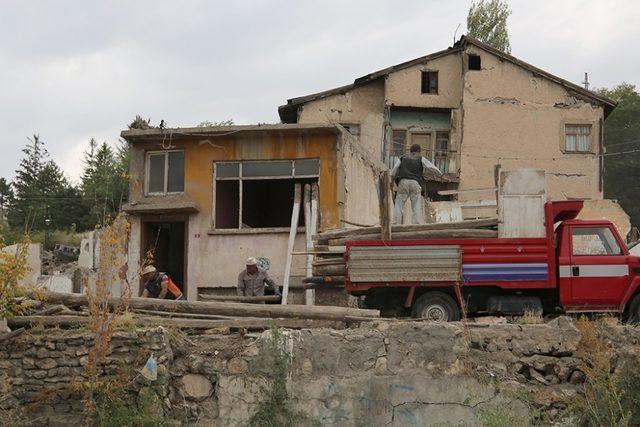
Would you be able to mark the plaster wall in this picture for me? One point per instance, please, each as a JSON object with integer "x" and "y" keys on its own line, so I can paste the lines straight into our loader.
{"x": 363, "y": 105}
{"x": 33, "y": 259}
{"x": 403, "y": 87}
{"x": 516, "y": 119}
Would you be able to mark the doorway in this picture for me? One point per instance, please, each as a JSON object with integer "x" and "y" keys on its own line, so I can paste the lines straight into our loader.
{"x": 165, "y": 243}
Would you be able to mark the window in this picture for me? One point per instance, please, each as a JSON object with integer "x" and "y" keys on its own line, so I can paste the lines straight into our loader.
{"x": 352, "y": 129}
{"x": 430, "y": 82}
{"x": 474, "y": 62}
{"x": 594, "y": 241}
{"x": 259, "y": 194}
{"x": 441, "y": 154}
{"x": 396, "y": 148}
{"x": 577, "y": 138}
{"x": 165, "y": 172}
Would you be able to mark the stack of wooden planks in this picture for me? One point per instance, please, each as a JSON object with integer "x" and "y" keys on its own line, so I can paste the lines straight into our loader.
{"x": 329, "y": 266}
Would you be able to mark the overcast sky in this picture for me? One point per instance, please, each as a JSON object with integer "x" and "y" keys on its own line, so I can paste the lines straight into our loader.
{"x": 72, "y": 70}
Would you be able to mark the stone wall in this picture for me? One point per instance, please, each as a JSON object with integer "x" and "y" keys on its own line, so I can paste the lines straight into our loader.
{"x": 396, "y": 373}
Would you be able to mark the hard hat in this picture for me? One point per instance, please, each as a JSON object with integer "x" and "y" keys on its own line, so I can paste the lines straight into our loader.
{"x": 149, "y": 269}
{"x": 251, "y": 261}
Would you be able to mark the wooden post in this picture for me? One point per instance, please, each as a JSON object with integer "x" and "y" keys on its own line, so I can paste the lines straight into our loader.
{"x": 308, "y": 226}
{"x": 312, "y": 225}
{"x": 385, "y": 205}
{"x": 292, "y": 238}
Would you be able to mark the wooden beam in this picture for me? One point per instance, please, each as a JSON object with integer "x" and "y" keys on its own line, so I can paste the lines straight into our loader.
{"x": 292, "y": 239}
{"x": 60, "y": 320}
{"x": 310, "y": 294}
{"x": 238, "y": 298}
{"x": 476, "y": 223}
{"x": 384, "y": 183}
{"x": 221, "y": 308}
{"x": 477, "y": 190}
{"x": 431, "y": 234}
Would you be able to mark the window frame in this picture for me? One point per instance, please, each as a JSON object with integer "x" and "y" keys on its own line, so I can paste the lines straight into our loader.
{"x": 348, "y": 127}
{"x": 437, "y": 80}
{"x": 147, "y": 175}
{"x": 240, "y": 179}
{"x": 603, "y": 238}
{"x": 590, "y": 148}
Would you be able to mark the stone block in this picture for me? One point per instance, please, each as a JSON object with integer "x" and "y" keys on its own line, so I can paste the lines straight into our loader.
{"x": 196, "y": 387}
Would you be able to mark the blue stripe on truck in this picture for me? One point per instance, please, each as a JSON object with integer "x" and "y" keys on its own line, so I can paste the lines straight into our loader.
{"x": 504, "y": 272}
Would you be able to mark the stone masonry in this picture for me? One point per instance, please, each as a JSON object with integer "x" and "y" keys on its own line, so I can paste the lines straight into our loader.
{"x": 382, "y": 373}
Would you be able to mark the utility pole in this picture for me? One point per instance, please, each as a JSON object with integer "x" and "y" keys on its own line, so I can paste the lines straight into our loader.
{"x": 586, "y": 81}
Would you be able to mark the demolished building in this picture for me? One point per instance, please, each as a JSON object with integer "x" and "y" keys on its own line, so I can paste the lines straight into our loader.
{"x": 204, "y": 199}
{"x": 472, "y": 108}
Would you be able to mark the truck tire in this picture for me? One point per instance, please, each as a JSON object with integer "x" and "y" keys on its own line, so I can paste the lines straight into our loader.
{"x": 436, "y": 307}
{"x": 633, "y": 316}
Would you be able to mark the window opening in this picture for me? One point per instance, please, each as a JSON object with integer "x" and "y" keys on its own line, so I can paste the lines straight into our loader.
{"x": 352, "y": 129}
{"x": 259, "y": 194}
{"x": 165, "y": 172}
{"x": 429, "y": 82}
{"x": 577, "y": 138}
{"x": 474, "y": 62}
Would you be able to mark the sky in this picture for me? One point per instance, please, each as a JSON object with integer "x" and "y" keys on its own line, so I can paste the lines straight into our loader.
{"x": 73, "y": 70}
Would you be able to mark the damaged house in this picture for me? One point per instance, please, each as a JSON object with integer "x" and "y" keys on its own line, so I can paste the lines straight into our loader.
{"x": 472, "y": 108}
{"x": 205, "y": 199}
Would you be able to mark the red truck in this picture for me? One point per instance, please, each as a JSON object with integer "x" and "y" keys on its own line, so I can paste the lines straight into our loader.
{"x": 579, "y": 266}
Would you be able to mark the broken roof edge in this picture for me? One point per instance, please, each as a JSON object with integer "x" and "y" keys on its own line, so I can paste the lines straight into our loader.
{"x": 132, "y": 134}
{"x": 558, "y": 80}
{"x": 288, "y": 111}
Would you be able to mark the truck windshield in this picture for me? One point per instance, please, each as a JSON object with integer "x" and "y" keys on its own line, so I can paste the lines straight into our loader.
{"x": 594, "y": 241}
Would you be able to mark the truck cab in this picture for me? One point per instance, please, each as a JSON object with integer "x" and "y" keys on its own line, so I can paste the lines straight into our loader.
{"x": 596, "y": 273}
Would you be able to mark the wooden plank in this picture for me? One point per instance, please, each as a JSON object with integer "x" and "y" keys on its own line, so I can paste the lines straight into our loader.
{"x": 238, "y": 298}
{"x": 330, "y": 270}
{"x": 221, "y": 308}
{"x": 477, "y": 190}
{"x": 185, "y": 315}
{"x": 431, "y": 234}
{"x": 385, "y": 205}
{"x": 310, "y": 294}
{"x": 476, "y": 223}
{"x": 308, "y": 226}
{"x": 26, "y": 321}
{"x": 292, "y": 238}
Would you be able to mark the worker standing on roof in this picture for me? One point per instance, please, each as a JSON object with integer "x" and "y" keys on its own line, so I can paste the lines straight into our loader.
{"x": 408, "y": 175}
{"x": 159, "y": 285}
{"x": 252, "y": 280}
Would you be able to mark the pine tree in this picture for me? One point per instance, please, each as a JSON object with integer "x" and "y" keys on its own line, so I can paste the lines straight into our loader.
{"x": 27, "y": 206}
{"x": 6, "y": 197}
{"x": 487, "y": 22}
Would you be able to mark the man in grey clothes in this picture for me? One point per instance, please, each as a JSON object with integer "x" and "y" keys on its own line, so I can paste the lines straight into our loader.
{"x": 252, "y": 279}
{"x": 408, "y": 175}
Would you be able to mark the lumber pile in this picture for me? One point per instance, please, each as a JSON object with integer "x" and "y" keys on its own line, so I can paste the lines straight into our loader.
{"x": 329, "y": 265}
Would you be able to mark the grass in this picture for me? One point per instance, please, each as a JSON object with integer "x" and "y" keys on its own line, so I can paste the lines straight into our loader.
{"x": 502, "y": 415}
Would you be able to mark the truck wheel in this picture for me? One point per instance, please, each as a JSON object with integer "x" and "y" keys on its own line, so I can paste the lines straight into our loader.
{"x": 436, "y": 307}
{"x": 633, "y": 316}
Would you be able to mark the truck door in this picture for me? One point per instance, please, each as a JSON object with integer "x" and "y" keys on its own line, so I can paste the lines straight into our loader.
{"x": 598, "y": 269}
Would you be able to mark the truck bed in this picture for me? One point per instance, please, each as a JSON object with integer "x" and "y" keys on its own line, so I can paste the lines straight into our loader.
{"x": 509, "y": 263}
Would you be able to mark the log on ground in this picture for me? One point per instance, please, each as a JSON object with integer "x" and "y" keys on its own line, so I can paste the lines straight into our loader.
{"x": 330, "y": 270}
{"x": 66, "y": 321}
{"x": 224, "y": 308}
{"x": 239, "y": 298}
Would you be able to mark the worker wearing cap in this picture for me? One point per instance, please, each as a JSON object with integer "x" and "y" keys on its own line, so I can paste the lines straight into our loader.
{"x": 159, "y": 285}
{"x": 251, "y": 280}
{"x": 408, "y": 175}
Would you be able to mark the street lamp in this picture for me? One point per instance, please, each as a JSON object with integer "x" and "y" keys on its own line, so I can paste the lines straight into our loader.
{"x": 47, "y": 223}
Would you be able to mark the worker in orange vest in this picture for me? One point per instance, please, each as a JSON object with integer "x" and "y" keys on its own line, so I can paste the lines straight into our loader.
{"x": 159, "y": 285}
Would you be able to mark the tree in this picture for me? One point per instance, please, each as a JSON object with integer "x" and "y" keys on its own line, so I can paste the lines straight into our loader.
{"x": 6, "y": 197}
{"x": 487, "y": 22}
{"x": 104, "y": 180}
{"x": 25, "y": 207}
{"x": 622, "y": 144}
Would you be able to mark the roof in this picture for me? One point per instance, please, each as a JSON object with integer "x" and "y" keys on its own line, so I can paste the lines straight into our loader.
{"x": 133, "y": 134}
{"x": 289, "y": 111}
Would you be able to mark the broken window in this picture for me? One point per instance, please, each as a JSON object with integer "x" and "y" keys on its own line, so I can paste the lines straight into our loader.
{"x": 474, "y": 62}
{"x": 165, "y": 172}
{"x": 430, "y": 82}
{"x": 259, "y": 194}
{"x": 577, "y": 138}
{"x": 352, "y": 129}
